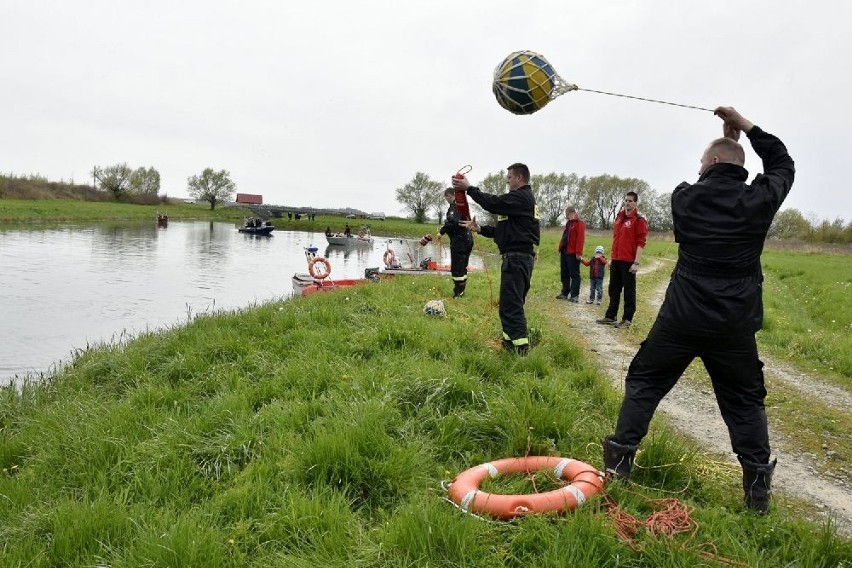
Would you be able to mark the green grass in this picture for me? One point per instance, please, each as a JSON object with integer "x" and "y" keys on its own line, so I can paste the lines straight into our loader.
{"x": 20, "y": 211}
{"x": 808, "y": 313}
{"x": 317, "y": 432}
{"x": 793, "y": 281}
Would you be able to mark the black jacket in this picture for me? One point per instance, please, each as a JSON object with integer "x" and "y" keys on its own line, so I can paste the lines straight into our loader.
{"x": 721, "y": 223}
{"x": 460, "y": 238}
{"x": 517, "y": 227}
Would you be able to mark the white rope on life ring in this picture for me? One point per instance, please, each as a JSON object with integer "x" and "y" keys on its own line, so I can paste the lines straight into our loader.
{"x": 319, "y": 274}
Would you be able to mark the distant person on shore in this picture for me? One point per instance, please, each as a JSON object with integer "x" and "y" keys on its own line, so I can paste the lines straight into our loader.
{"x": 597, "y": 271}
{"x": 461, "y": 243}
{"x": 714, "y": 303}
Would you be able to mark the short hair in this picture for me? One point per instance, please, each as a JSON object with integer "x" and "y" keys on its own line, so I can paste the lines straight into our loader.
{"x": 521, "y": 170}
{"x": 634, "y": 195}
{"x": 570, "y": 209}
{"x": 727, "y": 150}
{"x": 449, "y": 191}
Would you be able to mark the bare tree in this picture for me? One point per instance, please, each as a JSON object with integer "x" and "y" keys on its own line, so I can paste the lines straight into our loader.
{"x": 212, "y": 187}
{"x": 657, "y": 208}
{"x": 420, "y": 195}
{"x": 494, "y": 184}
{"x": 553, "y": 192}
{"x": 603, "y": 195}
{"x": 114, "y": 179}
{"x": 145, "y": 181}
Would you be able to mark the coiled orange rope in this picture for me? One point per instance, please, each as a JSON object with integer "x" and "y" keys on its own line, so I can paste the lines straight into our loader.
{"x": 670, "y": 518}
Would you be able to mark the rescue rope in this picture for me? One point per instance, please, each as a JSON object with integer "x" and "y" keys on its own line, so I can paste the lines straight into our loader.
{"x": 642, "y": 99}
{"x": 670, "y": 518}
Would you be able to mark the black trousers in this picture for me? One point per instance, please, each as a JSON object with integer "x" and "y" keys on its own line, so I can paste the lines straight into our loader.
{"x": 459, "y": 259}
{"x": 570, "y": 272}
{"x": 515, "y": 276}
{"x": 736, "y": 373}
{"x": 620, "y": 278}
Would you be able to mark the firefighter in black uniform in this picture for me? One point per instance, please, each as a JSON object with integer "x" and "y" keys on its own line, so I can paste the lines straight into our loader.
{"x": 517, "y": 235}
{"x": 713, "y": 304}
{"x": 461, "y": 244}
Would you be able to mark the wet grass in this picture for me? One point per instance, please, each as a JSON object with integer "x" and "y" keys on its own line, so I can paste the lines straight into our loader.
{"x": 317, "y": 431}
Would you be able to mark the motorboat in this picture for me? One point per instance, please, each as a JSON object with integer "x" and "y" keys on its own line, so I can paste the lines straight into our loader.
{"x": 257, "y": 227}
{"x": 362, "y": 238}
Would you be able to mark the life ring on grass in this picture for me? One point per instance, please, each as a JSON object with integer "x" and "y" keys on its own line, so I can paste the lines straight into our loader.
{"x": 319, "y": 274}
{"x": 389, "y": 258}
{"x": 584, "y": 481}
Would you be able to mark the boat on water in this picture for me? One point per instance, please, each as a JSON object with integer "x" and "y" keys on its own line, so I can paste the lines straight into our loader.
{"x": 425, "y": 268}
{"x": 362, "y": 238}
{"x": 162, "y": 220}
{"x": 318, "y": 278}
{"x": 257, "y": 227}
{"x": 327, "y": 285}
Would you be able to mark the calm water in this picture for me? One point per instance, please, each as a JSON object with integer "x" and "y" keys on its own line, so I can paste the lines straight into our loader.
{"x": 66, "y": 288}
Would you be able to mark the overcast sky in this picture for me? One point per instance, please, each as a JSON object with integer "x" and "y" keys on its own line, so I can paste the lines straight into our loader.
{"x": 337, "y": 103}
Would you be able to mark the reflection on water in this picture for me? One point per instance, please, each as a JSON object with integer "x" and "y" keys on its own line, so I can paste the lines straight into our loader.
{"x": 65, "y": 288}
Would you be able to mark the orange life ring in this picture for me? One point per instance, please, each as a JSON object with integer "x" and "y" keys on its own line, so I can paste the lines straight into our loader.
{"x": 389, "y": 258}
{"x": 584, "y": 481}
{"x": 317, "y": 274}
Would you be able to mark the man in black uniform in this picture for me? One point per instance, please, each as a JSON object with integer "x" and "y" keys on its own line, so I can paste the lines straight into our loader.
{"x": 461, "y": 244}
{"x": 517, "y": 234}
{"x": 714, "y": 305}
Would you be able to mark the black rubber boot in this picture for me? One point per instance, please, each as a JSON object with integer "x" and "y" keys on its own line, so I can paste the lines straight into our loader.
{"x": 618, "y": 458}
{"x": 757, "y": 484}
{"x": 458, "y": 288}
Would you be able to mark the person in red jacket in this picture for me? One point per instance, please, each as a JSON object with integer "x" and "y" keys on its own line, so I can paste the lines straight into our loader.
{"x": 570, "y": 250}
{"x": 629, "y": 233}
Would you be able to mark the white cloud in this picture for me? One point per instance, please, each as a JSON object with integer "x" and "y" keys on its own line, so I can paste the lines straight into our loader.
{"x": 333, "y": 103}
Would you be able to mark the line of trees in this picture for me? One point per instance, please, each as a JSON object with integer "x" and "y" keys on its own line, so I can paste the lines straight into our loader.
{"x": 792, "y": 224}
{"x": 598, "y": 199}
{"x": 120, "y": 180}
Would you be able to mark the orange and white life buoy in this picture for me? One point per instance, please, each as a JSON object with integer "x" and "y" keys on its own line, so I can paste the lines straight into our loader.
{"x": 319, "y": 273}
{"x": 584, "y": 481}
{"x": 389, "y": 258}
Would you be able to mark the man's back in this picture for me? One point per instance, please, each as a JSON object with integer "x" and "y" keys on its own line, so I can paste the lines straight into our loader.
{"x": 721, "y": 224}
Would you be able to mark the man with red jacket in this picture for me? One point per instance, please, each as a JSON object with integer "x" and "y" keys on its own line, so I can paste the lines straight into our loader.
{"x": 570, "y": 250}
{"x": 629, "y": 234}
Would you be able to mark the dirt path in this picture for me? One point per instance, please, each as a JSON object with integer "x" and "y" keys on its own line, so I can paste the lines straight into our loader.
{"x": 693, "y": 409}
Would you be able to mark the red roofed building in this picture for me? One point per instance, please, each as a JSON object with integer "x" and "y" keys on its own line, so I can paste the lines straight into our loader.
{"x": 250, "y": 198}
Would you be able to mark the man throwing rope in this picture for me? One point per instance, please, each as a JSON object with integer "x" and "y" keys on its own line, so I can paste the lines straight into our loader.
{"x": 461, "y": 244}
{"x": 714, "y": 305}
{"x": 516, "y": 234}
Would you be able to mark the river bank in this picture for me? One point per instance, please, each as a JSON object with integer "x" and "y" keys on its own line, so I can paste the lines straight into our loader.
{"x": 318, "y": 430}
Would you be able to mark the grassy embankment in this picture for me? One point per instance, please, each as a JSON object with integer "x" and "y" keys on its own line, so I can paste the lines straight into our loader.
{"x": 316, "y": 432}
{"x": 16, "y": 212}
